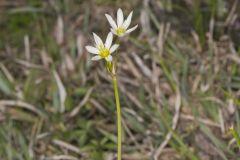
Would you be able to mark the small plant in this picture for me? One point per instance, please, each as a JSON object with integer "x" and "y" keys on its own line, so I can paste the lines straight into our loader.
{"x": 235, "y": 135}
{"x": 104, "y": 51}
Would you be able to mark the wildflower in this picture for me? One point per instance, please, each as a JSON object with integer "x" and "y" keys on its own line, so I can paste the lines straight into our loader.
{"x": 121, "y": 28}
{"x": 102, "y": 50}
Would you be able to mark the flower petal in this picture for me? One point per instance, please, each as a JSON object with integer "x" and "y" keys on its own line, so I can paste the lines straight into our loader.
{"x": 113, "y": 31}
{"x": 109, "y": 39}
{"x": 97, "y": 40}
{"x": 92, "y": 50}
{"x": 131, "y": 29}
{"x": 109, "y": 58}
{"x": 95, "y": 58}
{"x": 111, "y": 21}
{"x": 119, "y": 17}
{"x": 128, "y": 21}
{"x": 113, "y": 48}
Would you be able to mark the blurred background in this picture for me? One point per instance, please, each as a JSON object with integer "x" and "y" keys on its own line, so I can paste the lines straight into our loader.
{"x": 179, "y": 80}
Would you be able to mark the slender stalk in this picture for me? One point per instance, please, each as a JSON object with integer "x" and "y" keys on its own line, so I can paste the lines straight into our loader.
{"x": 119, "y": 127}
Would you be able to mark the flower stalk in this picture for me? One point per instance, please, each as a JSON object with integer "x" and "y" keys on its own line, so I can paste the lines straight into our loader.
{"x": 112, "y": 71}
{"x": 118, "y": 109}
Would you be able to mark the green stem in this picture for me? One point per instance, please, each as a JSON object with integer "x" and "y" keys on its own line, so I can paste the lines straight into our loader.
{"x": 235, "y": 135}
{"x": 119, "y": 127}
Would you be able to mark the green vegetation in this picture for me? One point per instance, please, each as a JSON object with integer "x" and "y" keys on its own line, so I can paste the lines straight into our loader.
{"x": 179, "y": 81}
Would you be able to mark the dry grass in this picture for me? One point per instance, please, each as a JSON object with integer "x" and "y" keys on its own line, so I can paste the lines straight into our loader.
{"x": 178, "y": 76}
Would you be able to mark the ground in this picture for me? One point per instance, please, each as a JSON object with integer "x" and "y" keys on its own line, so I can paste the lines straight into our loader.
{"x": 178, "y": 75}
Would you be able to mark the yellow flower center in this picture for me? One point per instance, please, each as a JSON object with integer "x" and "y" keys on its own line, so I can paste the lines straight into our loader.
{"x": 103, "y": 51}
{"x": 120, "y": 31}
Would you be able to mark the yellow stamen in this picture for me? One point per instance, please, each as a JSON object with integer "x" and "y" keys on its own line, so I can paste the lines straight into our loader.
{"x": 103, "y": 51}
{"x": 120, "y": 31}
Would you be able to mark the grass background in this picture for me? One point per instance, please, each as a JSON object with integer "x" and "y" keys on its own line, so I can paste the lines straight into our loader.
{"x": 178, "y": 76}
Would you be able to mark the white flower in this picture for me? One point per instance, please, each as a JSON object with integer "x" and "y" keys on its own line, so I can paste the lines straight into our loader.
{"x": 121, "y": 28}
{"x": 102, "y": 50}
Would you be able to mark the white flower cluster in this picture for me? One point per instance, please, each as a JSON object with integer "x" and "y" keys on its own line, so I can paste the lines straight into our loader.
{"x": 104, "y": 50}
